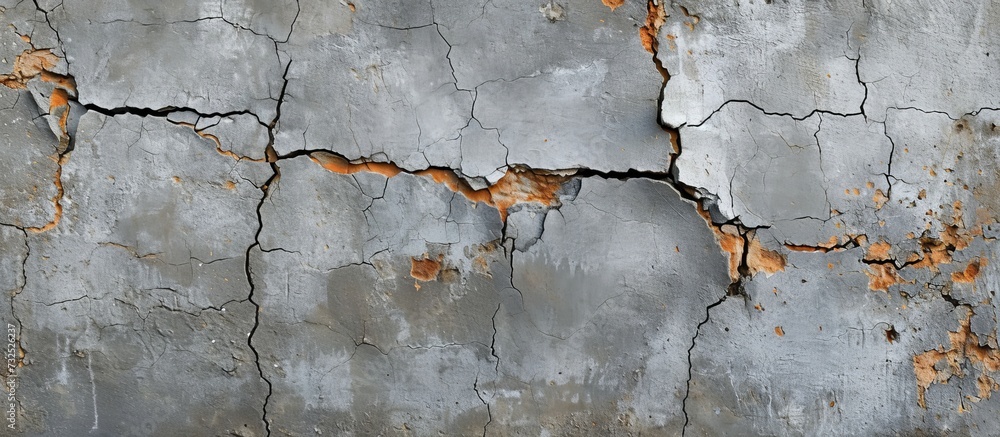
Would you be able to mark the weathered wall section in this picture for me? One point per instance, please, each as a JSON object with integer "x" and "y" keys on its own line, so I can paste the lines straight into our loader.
{"x": 498, "y": 217}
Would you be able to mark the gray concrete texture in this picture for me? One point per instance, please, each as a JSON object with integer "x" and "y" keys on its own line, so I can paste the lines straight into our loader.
{"x": 499, "y": 217}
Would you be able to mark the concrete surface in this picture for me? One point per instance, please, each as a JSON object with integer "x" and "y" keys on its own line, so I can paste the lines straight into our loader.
{"x": 493, "y": 217}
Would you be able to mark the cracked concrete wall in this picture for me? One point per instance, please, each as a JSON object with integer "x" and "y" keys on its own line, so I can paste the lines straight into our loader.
{"x": 497, "y": 217}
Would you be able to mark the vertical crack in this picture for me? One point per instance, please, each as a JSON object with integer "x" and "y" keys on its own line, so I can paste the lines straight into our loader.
{"x": 252, "y": 297}
{"x": 489, "y": 412}
{"x": 736, "y": 288}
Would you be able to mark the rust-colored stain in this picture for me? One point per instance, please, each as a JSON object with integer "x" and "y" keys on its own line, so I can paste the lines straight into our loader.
{"x": 956, "y": 237}
{"x": 878, "y": 251}
{"x": 656, "y": 15}
{"x": 27, "y": 65}
{"x": 524, "y": 186}
{"x": 218, "y": 144}
{"x": 934, "y": 252}
{"x": 56, "y": 200}
{"x": 834, "y": 244}
{"x": 829, "y": 245}
{"x": 986, "y": 385}
{"x": 480, "y": 262}
{"x": 937, "y": 366}
{"x": 67, "y": 83}
{"x": 731, "y": 243}
{"x": 425, "y": 269}
{"x": 58, "y": 99}
{"x": 340, "y": 165}
{"x": 879, "y": 198}
{"x": 968, "y": 275}
{"x": 516, "y": 186}
{"x": 694, "y": 18}
{"x": 882, "y": 276}
{"x": 613, "y": 4}
{"x": 760, "y": 259}
{"x": 779, "y": 332}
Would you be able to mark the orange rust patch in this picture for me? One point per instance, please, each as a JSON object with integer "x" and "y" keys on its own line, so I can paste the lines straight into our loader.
{"x": 656, "y": 15}
{"x": 834, "y": 244}
{"x": 731, "y": 243}
{"x": 58, "y": 99}
{"x": 879, "y": 198}
{"x": 56, "y": 200}
{"x": 352, "y": 7}
{"x": 65, "y": 82}
{"x": 522, "y": 186}
{"x": 882, "y": 276}
{"x": 955, "y": 237}
{"x": 939, "y": 365}
{"x": 613, "y": 4}
{"x": 779, "y": 332}
{"x": 829, "y": 245}
{"x": 229, "y": 185}
{"x": 878, "y": 251}
{"x": 27, "y": 65}
{"x": 516, "y": 186}
{"x": 694, "y": 18}
{"x": 760, "y": 259}
{"x": 968, "y": 275}
{"x": 934, "y": 253}
{"x": 986, "y": 386}
{"x": 425, "y": 269}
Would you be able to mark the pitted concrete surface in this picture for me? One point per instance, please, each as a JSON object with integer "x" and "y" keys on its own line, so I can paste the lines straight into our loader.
{"x": 493, "y": 217}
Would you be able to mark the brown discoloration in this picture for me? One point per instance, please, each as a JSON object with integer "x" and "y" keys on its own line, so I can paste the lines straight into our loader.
{"x": 340, "y": 165}
{"x": 218, "y": 145}
{"x": 934, "y": 252}
{"x": 923, "y": 368}
{"x": 955, "y": 237}
{"x": 60, "y": 81}
{"x": 523, "y": 186}
{"x": 656, "y": 15}
{"x": 58, "y": 99}
{"x": 694, "y": 18}
{"x": 517, "y": 186}
{"x": 879, "y": 198}
{"x": 613, "y": 4}
{"x": 834, "y": 244}
{"x": 480, "y": 262}
{"x": 731, "y": 243}
{"x": 939, "y": 365}
{"x": 425, "y": 269}
{"x": 56, "y": 200}
{"x": 986, "y": 385}
{"x": 878, "y": 251}
{"x": 968, "y": 275}
{"x": 779, "y": 331}
{"x": 27, "y": 65}
{"x": 760, "y": 259}
{"x": 882, "y": 276}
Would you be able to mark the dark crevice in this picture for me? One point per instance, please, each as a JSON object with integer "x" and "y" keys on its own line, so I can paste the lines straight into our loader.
{"x": 165, "y": 111}
{"x": 779, "y": 114}
{"x": 252, "y": 297}
{"x": 489, "y": 411}
{"x": 734, "y": 289}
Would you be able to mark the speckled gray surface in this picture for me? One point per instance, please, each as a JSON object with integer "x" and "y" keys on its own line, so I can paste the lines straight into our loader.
{"x": 493, "y": 217}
